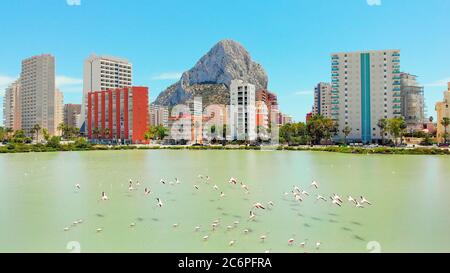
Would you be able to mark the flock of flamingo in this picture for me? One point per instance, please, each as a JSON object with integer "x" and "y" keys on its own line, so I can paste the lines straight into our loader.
{"x": 297, "y": 194}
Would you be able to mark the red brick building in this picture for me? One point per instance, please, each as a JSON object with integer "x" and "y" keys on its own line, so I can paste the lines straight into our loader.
{"x": 118, "y": 115}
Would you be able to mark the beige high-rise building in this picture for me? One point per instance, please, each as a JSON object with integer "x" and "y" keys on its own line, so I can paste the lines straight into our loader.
{"x": 59, "y": 109}
{"x": 11, "y": 107}
{"x": 159, "y": 115}
{"x": 37, "y": 93}
{"x": 443, "y": 111}
{"x": 72, "y": 114}
{"x": 103, "y": 73}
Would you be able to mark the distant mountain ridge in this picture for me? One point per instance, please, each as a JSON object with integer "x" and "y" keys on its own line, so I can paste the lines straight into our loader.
{"x": 212, "y": 75}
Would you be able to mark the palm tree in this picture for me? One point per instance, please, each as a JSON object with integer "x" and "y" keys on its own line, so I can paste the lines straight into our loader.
{"x": 36, "y": 128}
{"x": 445, "y": 122}
{"x": 382, "y": 124}
{"x": 62, "y": 128}
{"x": 347, "y": 130}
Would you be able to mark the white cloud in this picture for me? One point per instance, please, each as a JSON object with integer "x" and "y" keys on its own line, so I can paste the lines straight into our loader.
{"x": 303, "y": 93}
{"x": 167, "y": 76}
{"x": 439, "y": 83}
{"x": 5, "y": 81}
{"x": 374, "y": 2}
{"x": 62, "y": 81}
{"x": 73, "y": 2}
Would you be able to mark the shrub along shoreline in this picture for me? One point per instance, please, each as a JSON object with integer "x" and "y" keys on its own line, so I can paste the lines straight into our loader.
{"x": 84, "y": 146}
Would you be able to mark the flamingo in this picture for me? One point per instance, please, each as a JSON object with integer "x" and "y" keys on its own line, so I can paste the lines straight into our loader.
{"x": 318, "y": 244}
{"x": 335, "y": 201}
{"x": 205, "y": 238}
{"x": 175, "y": 225}
{"x": 215, "y": 187}
{"x": 252, "y": 215}
{"x": 351, "y": 199}
{"x": 160, "y": 203}
{"x": 359, "y": 205}
{"x": 263, "y": 237}
{"x": 132, "y": 225}
{"x": 364, "y": 201}
{"x": 147, "y": 191}
{"x": 104, "y": 196}
{"x": 291, "y": 241}
{"x": 177, "y": 181}
{"x": 196, "y": 187}
{"x": 197, "y": 228}
{"x": 303, "y": 244}
{"x": 78, "y": 186}
{"x": 232, "y": 181}
{"x": 66, "y": 229}
{"x": 315, "y": 184}
{"x": 258, "y": 206}
{"x": 305, "y": 193}
{"x": 222, "y": 194}
{"x": 99, "y": 230}
{"x": 337, "y": 197}
{"x": 298, "y": 198}
{"x": 243, "y": 186}
{"x": 270, "y": 203}
{"x": 231, "y": 243}
{"x": 320, "y": 197}
{"x": 162, "y": 181}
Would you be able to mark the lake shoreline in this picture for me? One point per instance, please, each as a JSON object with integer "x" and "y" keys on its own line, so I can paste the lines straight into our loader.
{"x": 334, "y": 149}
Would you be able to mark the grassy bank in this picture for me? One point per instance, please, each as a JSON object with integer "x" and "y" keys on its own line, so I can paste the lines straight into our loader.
{"x": 24, "y": 148}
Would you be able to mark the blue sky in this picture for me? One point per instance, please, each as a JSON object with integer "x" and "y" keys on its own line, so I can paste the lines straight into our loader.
{"x": 292, "y": 39}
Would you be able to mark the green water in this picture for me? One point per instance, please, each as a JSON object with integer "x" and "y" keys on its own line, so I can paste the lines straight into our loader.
{"x": 38, "y": 199}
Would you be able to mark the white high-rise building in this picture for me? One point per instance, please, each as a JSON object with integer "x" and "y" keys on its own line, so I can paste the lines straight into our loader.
{"x": 37, "y": 93}
{"x": 322, "y": 100}
{"x": 11, "y": 107}
{"x": 103, "y": 73}
{"x": 413, "y": 100}
{"x": 59, "y": 109}
{"x": 365, "y": 89}
{"x": 159, "y": 115}
{"x": 242, "y": 119}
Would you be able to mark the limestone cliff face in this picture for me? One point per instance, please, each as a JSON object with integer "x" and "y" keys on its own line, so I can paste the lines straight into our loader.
{"x": 212, "y": 75}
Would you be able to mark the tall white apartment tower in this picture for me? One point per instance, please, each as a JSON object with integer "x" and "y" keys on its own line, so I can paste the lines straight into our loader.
{"x": 242, "y": 120}
{"x": 322, "y": 100}
{"x": 59, "y": 109}
{"x": 11, "y": 107}
{"x": 103, "y": 73}
{"x": 365, "y": 88}
{"x": 37, "y": 89}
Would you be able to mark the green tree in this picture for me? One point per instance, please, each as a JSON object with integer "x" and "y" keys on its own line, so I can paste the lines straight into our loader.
{"x": 396, "y": 127}
{"x": 382, "y": 124}
{"x": 320, "y": 128}
{"x": 36, "y": 129}
{"x": 161, "y": 132}
{"x": 45, "y": 134}
{"x": 54, "y": 142}
{"x": 347, "y": 130}
{"x": 445, "y": 122}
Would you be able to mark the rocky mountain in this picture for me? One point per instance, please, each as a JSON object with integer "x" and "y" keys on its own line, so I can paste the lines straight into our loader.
{"x": 212, "y": 75}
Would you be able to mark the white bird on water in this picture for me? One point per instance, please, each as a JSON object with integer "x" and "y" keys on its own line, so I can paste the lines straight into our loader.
{"x": 197, "y": 228}
{"x": 215, "y": 187}
{"x": 291, "y": 241}
{"x": 318, "y": 244}
{"x": 196, "y": 187}
{"x": 162, "y": 181}
{"x": 222, "y": 194}
{"x": 359, "y": 205}
{"x": 315, "y": 184}
{"x": 270, "y": 203}
{"x": 231, "y": 243}
{"x": 177, "y": 181}
{"x": 99, "y": 230}
{"x": 305, "y": 193}
{"x": 132, "y": 225}
{"x": 130, "y": 186}
{"x": 78, "y": 186}
{"x": 205, "y": 238}
{"x": 263, "y": 238}
{"x": 160, "y": 203}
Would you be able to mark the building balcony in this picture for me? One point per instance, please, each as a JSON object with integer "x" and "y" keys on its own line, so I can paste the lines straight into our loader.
{"x": 334, "y": 63}
{"x": 335, "y": 57}
{"x": 335, "y": 75}
{"x": 397, "y": 107}
{"x": 334, "y": 69}
{"x": 396, "y": 61}
{"x": 396, "y": 55}
{"x": 397, "y": 101}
